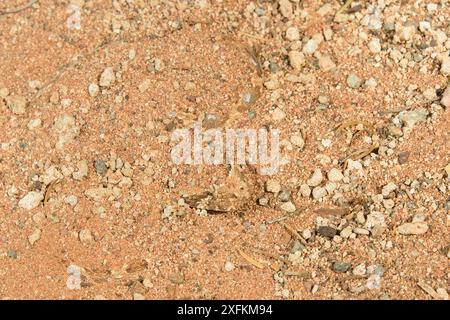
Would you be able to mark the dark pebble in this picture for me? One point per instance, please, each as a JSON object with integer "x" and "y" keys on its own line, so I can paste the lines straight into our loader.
{"x": 327, "y": 232}
{"x": 341, "y": 267}
{"x": 100, "y": 167}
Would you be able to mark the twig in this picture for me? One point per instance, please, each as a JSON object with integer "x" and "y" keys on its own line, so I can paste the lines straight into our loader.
{"x": 345, "y": 6}
{"x": 294, "y": 233}
{"x": 249, "y": 259}
{"x": 49, "y": 189}
{"x": 18, "y": 9}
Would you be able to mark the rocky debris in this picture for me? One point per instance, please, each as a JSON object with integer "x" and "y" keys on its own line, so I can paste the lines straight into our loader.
{"x": 66, "y": 128}
{"x": 387, "y": 189}
{"x": 327, "y": 232}
{"x": 375, "y": 45}
{"x": 296, "y": 59}
{"x": 335, "y": 175}
{"x": 100, "y": 167}
{"x": 286, "y": 8}
{"x": 319, "y": 192}
{"x": 326, "y": 64}
{"x": 34, "y": 237}
{"x": 107, "y": 78}
{"x": 413, "y": 117}
{"x": 292, "y": 34}
{"x": 85, "y": 235}
{"x": 97, "y": 194}
{"x": 288, "y": 207}
{"x": 341, "y": 267}
{"x": 273, "y": 186}
{"x": 31, "y": 200}
{"x": 315, "y": 179}
{"x": 17, "y": 104}
{"x": 297, "y": 140}
{"x": 445, "y": 65}
{"x": 312, "y": 44}
{"x": 93, "y": 89}
{"x": 71, "y": 200}
{"x": 413, "y": 228}
{"x": 445, "y": 101}
{"x": 353, "y": 81}
{"x": 229, "y": 266}
{"x": 82, "y": 170}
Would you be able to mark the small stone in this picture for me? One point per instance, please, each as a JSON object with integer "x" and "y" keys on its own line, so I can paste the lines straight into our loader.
{"x": 71, "y": 200}
{"x": 445, "y": 66}
{"x": 298, "y": 141}
{"x": 430, "y": 95}
{"x": 273, "y": 186}
{"x": 288, "y": 207}
{"x": 229, "y": 266}
{"x": 413, "y": 228}
{"x": 85, "y": 235}
{"x": 82, "y": 170}
{"x": 31, "y": 200}
{"x": 312, "y": 44}
{"x": 387, "y": 189}
{"x": 296, "y": 59}
{"x": 17, "y": 104}
{"x": 353, "y": 81}
{"x": 35, "y": 236}
{"x": 360, "y": 270}
{"x": 361, "y": 231}
{"x": 100, "y": 166}
{"x": 319, "y": 193}
{"x": 374, "y": 45}
{"x": 167, "y": 212}
{"x": 176, "y": 278}
{"x": 407, "y": 32}
{"x": 34, "y": 123}
{"x": 403, "y": 157}
{"x": 107, "y": 78}
{"x": 326, "y": 63}
{"x": 445, "y": 101}
{"x": 292, "y": 34}
{"x": 4, "y": 92}
{"x": 326, "y": 231}
{"x": 93, "y": 89}
{"x": 138, "y": 296}
{"x": 315, "y": 179}
{"x": 12, "y": 254}
{"x": 285, "y": 8}
{"x": 305, "y": 191}
{"x": 341, "y": 267}
{"x": 346, "y": 232}
{"x": 263, "y": 201}
{"x": 284, "y": 195}
{"x": 413, "y": 117}
{"x": 306, "y": 234}
{"x": 335, "y": 175}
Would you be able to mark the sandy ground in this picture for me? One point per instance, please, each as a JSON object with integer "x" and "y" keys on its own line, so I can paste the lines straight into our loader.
{"x": 93, "y": 207}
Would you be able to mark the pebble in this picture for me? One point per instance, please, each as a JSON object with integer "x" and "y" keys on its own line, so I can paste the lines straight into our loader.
{"x": 284, "y": 195}
{"x": 107, "y": 77}
{"x": 413, "y": 117}
{"x": 326, "y": 231}
{"x": 288, "y": 207}
{"x": 65, "y": 126}
{"x": 335, "y": 175}
{"x": 12, "y": 254}
{"x": 360, "y": 270}
{"x": 298, "y": 141}
{"x": 292, "y": 34}
{"x": 285, "y": 7}
{"x": 35, "y": 236}
{"x": 346, "y": 232}
{"x": 17, "y": 104}
{"x": 229, "y": 266}
{"x": 34, "y": 123}
{"x": 353, "y": 81}
{"x": 312, "y": 44}
{"x": 374, "y": 45}
{"x": 315, "y": 179}
{"x": 319, "y": 193}
{"x": 100, "y": 167}
{"x": 305, "y": 190}
{"x": 341, "y": 267}
{"x": 387, "y": 189}
{"x": 71, "y": 200}
{"x": 273, "y": 186}
{"x": 445, "y": 66}
{"x": 326, "y": 63}
{"x": 413, "y": 228}
{"x": 31, "y": 200}
{"x": 296, "y": 59}
{"x": 445, "y": 101}
{"x": 93, "y": 89}
{"x": 85, "y": 235}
